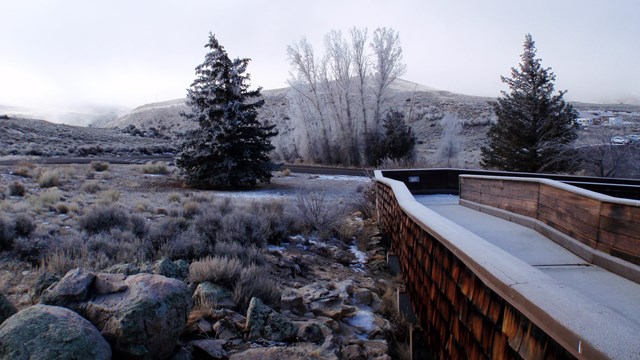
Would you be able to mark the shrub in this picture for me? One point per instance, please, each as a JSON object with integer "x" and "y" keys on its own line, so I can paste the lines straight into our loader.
{"x": 24, "y": 225}
{"x": 100, "y": 166}
{"x": 219, "y": 270}
{"x": 48, "y": 198}
{"x": 69, "y": 254}
{"x": 109, "y": 196}
{"x": 190, "y": 209}
{"x": 165, "y": 231}
{"x": 247, "y": 255}
{"x": 16, "y": 188}
{"x": 24, "y": 171}
{"x": 187, "y": 245}
{"x": 254, "y": 281}
{"x": 49, "y": 179}
{"x": 243, "y": 227}
{"x": 318, "y": 214}
{"x": 90, "y": 187}
{"x": 174, "y": 197}
{"x": 279, "y": 222}
{"x": 364, "y": 200}
{"x": 158, "y": 168}
{"x": 32, "y": 249}
{"x": 139, "y": 226}
{"x": 62, "y": 208}
{"x": 142, "y": 206}
{"x": 208, "y": 224}
{"x": 7, "y": 233}
{"x": 104, "y": 218}
{"x": 117, "y": 246}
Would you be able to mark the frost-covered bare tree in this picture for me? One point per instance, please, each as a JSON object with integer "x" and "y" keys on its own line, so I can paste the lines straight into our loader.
{"x": 599, "y": 157}
{"x": 305, "y": 80}
{"x": 449, "y": 149}
{"x": 338, "y": 85}
{"x": 387, "y": 66}
{"x": 342, "y": 94}
{"x": 361, "y": 69}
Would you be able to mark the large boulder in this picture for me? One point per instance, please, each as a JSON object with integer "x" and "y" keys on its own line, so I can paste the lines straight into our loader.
{"x": 264, "y": 322}
{"x": 143, "y": 321}
{"x": 44, "y": 332}
{"x": 141, "y": 316}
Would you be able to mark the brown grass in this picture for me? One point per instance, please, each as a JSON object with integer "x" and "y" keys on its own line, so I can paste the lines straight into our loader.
{"x": 219, "y": 270}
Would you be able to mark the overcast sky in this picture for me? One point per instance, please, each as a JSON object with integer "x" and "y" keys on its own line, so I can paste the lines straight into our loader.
{"x": 132, "y": 52}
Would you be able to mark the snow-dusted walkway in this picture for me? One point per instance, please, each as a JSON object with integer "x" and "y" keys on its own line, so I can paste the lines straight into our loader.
{"x": 608, "y": 289}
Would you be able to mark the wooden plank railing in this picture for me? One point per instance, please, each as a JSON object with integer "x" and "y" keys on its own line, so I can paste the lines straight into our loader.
{"x": 475, "y": 301}
{"x": 604, "y": 223}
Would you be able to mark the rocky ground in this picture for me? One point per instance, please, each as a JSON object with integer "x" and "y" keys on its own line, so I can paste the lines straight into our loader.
{"x": 333, "y": 295}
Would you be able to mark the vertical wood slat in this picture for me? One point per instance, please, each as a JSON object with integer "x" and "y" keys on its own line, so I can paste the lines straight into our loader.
{"x": 462, "y": 317}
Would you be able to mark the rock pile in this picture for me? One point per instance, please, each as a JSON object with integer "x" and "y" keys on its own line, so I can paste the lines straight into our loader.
{"x": 327, "y": 310}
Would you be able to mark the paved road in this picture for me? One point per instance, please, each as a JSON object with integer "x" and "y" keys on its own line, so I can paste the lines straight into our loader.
{"x": 305, "y": 169}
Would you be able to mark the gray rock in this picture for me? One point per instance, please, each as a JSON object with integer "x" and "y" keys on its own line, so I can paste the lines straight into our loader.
{"x": 292, "y": 300}
{"x": 216, "y": 296}
{"x": 73, "y": 288}
{"x": 300, "y": 351}
{"x": 209, "y": 349}
{"x": 363, "y": 296}
{"x": 311, "y": 332}
{"x": 145, "y": 320}
{"x": 125, "y": 269}
{"x": 44, "y": 332}
{"x": 333, "y": 308}
{"x": 166, "y": 267}
{"x": 226, "y": 329}
{"x": 183, "y": 268}
{"x": 263, "y": 322}
{"x": 353, "y": 352}
{"x": 42, "y": 283}
{"x": 6, "y": 308}
{"x": 109, "y": 283}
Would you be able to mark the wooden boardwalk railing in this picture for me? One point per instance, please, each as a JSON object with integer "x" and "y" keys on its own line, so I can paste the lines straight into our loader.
{"x": 607, "y": 224}
{"x": 475, "y": 301}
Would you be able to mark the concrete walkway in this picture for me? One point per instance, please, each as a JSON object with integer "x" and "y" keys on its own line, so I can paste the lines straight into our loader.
{"x": 608, "y": 289}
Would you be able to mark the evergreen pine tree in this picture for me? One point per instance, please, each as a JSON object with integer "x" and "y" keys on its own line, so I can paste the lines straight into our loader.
{"x": 535, "y": 127}
{"x": 230, "y": 148}
{"x": 399, "y": 140}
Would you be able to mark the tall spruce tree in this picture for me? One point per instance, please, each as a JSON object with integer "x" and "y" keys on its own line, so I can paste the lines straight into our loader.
{"x": 535, "y": 127}
{"x": 230, "y": 148}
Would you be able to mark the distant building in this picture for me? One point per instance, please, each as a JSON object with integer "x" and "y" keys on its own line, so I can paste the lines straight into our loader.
{"x": 583, "y": 122}
{"x": 615, "y": 121}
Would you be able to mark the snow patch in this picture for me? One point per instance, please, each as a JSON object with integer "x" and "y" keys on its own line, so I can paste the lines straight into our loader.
{"x": 361, "y": 258}
{"x": 363, "y": 320}
{"x": 343, "y": 178}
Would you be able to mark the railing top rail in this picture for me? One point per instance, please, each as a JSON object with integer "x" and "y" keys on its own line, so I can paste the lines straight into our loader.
{"x": 561, "y": 185}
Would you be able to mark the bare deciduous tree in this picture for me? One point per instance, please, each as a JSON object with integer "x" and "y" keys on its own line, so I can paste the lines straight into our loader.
{"x": 333, "y": 94}
{"x": 387, "y": 66}
{"x": 449, "y": 149}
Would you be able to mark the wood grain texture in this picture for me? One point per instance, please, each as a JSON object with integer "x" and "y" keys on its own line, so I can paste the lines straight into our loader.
{"x": 462, "y": 317}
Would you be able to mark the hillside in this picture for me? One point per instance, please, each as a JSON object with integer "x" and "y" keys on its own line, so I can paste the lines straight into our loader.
{"x": 424, "y": 106}
{"x": 22, "y": 136}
